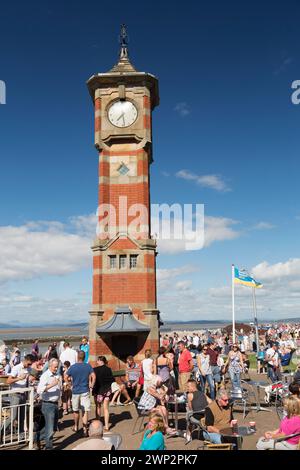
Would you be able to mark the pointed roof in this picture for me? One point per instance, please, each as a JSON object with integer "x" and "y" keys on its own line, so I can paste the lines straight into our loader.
{"x": 124, "y": 65}
{"x": 123, "y": 321}
{"x": 124, "y": 72}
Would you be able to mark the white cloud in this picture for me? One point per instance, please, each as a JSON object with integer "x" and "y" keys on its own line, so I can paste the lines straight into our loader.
{"x": 265, "y": 271}
{"x": 182, "y": 109}
{"x": 183, "y": 238}
{"x": 183, "y": 285}
{"x": 37, "y": 310}
{"x": 219, "y": 229}
{"x": 84, "y": 225}
{"x": 206, "y": 181}
{"x": 41, "y": 248}
{"x": 166, "y": 274}
{"x": 263, "y": 226}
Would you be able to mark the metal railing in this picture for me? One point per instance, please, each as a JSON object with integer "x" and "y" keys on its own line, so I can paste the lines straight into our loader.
{"x": 16, "y": 417}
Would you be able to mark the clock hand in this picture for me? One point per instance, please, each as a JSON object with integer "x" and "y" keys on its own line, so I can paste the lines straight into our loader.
{"x": 123, "y": 120}
{"x": 122, "y": 115}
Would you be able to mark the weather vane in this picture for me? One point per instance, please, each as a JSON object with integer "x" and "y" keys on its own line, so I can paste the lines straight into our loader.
{"x": 123, "y": 38}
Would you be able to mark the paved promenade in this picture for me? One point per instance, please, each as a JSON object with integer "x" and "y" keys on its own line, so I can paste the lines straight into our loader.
{"x": 122, "y": 419}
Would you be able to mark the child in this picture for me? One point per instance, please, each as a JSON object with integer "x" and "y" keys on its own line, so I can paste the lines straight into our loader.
{"x": 66, "y": 391}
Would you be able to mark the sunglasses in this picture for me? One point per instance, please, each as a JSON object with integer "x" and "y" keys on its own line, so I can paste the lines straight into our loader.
{"x": 204, "y": 349}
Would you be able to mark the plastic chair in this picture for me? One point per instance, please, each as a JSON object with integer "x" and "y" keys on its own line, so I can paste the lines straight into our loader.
{"x": 196, "y": 424}
{"x": 141, "y": 415}
{"x": 284, "y": 438}
{"x": 239, "y": 397}
{"x": 114, "y": 439}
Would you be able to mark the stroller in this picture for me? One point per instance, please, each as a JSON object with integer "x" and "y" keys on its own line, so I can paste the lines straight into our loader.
{"x": 275, "y": 395}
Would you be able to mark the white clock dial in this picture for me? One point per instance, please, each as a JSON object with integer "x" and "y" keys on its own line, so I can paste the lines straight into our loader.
{"x": 122, "y": 113}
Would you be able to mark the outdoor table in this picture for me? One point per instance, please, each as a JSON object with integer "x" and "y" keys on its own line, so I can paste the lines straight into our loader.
{"x": 238, "y": 435}
{"x": 176, "y": 402}
{"x": 258, "y": 385}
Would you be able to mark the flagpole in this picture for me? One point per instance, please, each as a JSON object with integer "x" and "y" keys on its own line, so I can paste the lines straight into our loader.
{"x": 232, "y": 293}
{"x": 255, "y": 320}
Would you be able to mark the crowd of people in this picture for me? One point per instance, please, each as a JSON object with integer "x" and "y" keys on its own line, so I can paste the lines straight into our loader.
{"x": 195, "y": 365}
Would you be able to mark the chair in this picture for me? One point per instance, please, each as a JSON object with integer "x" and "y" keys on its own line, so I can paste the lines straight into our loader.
{"x": 114, "y": 439}
{"x": 284, "y": 438}
{"x": 141, "y": 415}
{"x": 209, "y": 446}
{"x": 196, "y": 424}
{"x": 239, "y": 397}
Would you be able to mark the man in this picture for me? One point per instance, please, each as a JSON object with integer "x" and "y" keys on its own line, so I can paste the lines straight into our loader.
{"x": 133, "y": 373}
{"x": 83, "y": 379}
{"x": 49, "y": 389}
{"x": 68, "y": 354}
{"x": 214, "y": 354}
{"x": 85, "y": 347}
{"x": 197, "y": 401}
{"x": 185, "y": 365}
{"x": 272, "y": 358}
{"x": 196, "y": 340}
{"x": 18, "y": 381}
{"x": 218, "y": 415}
{"x": 95, "y": 440}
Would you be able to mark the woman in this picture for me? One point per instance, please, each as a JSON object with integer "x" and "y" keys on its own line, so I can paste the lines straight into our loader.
{"x": 154, "y": 399}
{"x": 153, "y": 438}
{"x": 163, "y": 366}
{"x": 147, "y": 368}
{"x": 205, "y": 370}
{"x": 47, "y": 353}
{"x": 66, "y": 395}
{"x": 102, "y": 389}
{"x": 289, "y": 425}
{"x": 234, "y": 364}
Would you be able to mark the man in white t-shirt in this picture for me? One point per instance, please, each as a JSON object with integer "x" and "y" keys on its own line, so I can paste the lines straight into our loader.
{"x": 196, "y": 340}
{"x": 68, "y": 354}
{"x": 18, "y": 381}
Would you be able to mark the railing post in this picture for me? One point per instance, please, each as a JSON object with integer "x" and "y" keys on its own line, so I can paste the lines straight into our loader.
{"x": 31, "y": 406}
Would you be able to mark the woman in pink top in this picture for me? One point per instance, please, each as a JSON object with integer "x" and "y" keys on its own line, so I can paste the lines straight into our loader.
{"x": 289, "y": 425}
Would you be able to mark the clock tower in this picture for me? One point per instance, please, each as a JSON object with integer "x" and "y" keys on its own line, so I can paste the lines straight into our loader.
{"x": 124, "y": 319}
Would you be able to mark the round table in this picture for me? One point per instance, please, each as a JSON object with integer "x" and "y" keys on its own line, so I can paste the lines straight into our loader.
{"x": 238, "y": 435}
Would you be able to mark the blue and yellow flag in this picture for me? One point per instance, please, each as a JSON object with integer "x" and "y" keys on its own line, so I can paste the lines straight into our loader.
{"x": 242, "y": 277}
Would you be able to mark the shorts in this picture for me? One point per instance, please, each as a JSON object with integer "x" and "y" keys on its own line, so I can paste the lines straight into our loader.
{"x": 115, "y": 387}
{"x": 104, "y": 396}
{"x": 81, "y": 400}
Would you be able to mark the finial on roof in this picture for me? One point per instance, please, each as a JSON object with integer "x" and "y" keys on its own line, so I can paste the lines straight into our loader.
{"x": 123, "y": 65}
{"x": 123, "y": 42}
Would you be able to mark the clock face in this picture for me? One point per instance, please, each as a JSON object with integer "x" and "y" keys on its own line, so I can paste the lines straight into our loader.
{"x": 122, "y": 113}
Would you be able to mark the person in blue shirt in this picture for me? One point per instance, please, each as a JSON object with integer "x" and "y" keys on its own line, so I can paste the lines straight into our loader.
{"x": 153, "y": 438}
{"x": 83, "y": 381}
{"x": 85, "y": 347}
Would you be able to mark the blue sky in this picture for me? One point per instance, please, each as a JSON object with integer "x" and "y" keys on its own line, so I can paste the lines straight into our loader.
{"x": 226, "y": 127}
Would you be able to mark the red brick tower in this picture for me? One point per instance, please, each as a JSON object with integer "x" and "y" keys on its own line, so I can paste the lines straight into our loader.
{"x": 124, "y": 318}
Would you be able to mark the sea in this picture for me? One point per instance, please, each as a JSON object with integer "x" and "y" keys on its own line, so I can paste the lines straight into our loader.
{"x": 63, "y": 332}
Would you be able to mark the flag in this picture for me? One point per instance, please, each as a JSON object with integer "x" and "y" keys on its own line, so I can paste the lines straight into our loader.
{"x": 242, "y": 277}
